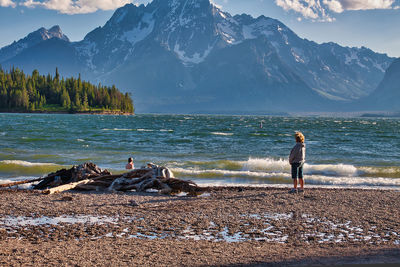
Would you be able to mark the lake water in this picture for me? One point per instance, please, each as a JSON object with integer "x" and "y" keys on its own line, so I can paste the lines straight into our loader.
{"x": 206, "y": 149}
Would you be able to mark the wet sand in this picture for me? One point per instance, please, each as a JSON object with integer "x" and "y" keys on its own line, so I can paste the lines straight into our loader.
{"x": 226, "y": 226}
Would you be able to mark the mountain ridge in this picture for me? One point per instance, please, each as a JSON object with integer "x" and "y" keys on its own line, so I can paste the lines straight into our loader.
{"x": 186, "y": 53}
{"x": 30, "y": 40}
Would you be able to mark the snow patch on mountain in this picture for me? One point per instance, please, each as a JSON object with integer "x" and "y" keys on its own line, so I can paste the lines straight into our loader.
{"x": 378, "y": 66}
{"x": 196, "y": 58}
{"x": 298, "y": 55}
{"x": 143, "y": 29}
{"x": 228, "y": 33}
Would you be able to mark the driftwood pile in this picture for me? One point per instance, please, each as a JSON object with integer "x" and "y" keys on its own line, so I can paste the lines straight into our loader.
{"x": 90, "y": 177}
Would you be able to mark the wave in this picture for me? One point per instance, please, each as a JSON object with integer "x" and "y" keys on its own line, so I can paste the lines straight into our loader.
{"x": 118, "y": 129}
{"x": 266, "y": 164}
{"x": 389, "y": 172}
{"x": 269, "y": 170}
{"x": 138, "y": 130}
{"x": 335, "y": 170}
{"x": 216, "y": 172}
{"x": 332, "y": 169}
{"x": 282, "y": 178}
{"x": 217, "y": 164}
{"x": 24, "y": 163}
{"x": 352, "y": 181}
{"x": 26, "y": 168}
{"x": 222, "y": 134}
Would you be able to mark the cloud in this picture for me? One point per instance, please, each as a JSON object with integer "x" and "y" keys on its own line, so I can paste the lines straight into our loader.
{"x": 7, "y": 3}
{"x": 310, "y": 9}
{"x": 321, "y": 10}
{"x": 364, "y": 4}
{"x": 76, "y": 6}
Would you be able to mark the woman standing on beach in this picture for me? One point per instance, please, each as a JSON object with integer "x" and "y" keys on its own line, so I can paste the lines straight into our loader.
{"x": 296, "y": 159}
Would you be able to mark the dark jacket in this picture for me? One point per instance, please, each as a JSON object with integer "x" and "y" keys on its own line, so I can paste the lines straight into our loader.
{"x": 298, "y": 153}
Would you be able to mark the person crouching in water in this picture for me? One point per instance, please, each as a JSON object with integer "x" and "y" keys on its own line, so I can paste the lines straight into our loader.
{"x": 130, "y": 165}
{"x": 296, "y": 159}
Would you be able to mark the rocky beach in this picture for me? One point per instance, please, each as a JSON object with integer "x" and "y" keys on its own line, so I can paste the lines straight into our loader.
{"x": 235, "y": 226}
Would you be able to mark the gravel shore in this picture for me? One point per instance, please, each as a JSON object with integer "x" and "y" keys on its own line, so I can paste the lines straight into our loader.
{"x": 235, "y": 226}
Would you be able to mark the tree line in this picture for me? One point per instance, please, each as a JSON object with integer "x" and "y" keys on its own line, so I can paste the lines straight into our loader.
{"x": 30, "y": 93}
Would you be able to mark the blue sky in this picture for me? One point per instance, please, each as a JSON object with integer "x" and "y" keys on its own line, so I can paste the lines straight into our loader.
{"x": 371, "y": 23}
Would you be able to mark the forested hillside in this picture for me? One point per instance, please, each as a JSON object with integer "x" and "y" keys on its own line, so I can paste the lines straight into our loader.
{"x": 20, "y": 92}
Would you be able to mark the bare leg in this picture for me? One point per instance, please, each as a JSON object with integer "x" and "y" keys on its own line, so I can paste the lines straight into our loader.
{"x": 295, "y": 183}
{"x": 301, "y": 183}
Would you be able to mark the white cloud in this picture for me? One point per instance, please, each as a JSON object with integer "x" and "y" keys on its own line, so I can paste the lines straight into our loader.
{"x": 76, "y": 6}
{"x": 7, "y": 3}
{"x": 319, "y": 10}
{"x": 310, "y": 9}
{"x": 366, "y": 4}
{"x": 334, "y": 5}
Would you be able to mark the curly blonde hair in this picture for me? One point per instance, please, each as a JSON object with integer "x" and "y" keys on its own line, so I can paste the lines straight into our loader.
{"x": 299, "y": 137}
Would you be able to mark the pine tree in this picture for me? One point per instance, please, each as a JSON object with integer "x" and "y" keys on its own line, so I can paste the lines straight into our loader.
{"x": 65, "y": 100}
{"x": 21, "y": 92}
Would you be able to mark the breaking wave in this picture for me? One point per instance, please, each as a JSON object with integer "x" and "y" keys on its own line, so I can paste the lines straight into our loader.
{"x": 269, "y": 170}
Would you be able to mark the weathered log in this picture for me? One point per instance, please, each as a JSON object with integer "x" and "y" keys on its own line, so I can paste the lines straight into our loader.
{"x": 106, "y": 177}
{"x": 74, "y": 174}
{"x": 20, "y": 182}
{"x": 148, "y": 175}
{"x": 118, "y": 184}
{"x": 89, "y": 177}
{"x": 49, "y": 179}
{"x": 147, "y": 184}
{"x": 165, "y": 189}
{"x": 65, "y": 187}
{"x": 136, "y": 173}
{"x": 182, "y": 186}
{"x": 140, "y": 184}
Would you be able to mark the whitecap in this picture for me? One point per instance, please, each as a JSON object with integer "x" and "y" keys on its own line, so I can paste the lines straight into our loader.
{"x": 331, "y": 169}
{"x": 266, "y": 164}
{"x": 117, "y": 129}
{"x": 222, "y": 134}
{"x": 217, "y": 172}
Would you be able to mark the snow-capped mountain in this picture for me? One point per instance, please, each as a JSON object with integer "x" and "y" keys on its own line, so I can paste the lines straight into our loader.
{"x": 188, "y": 55}
{"x": 32, "y": 39}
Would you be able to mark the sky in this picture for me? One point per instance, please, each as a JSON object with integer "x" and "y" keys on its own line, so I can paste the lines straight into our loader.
{"x": 371, "y": 23}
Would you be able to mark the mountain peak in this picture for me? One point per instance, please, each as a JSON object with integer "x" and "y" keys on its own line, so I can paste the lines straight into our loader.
{"x": 54, "y": 32}
{"x": 34, "y": 38}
